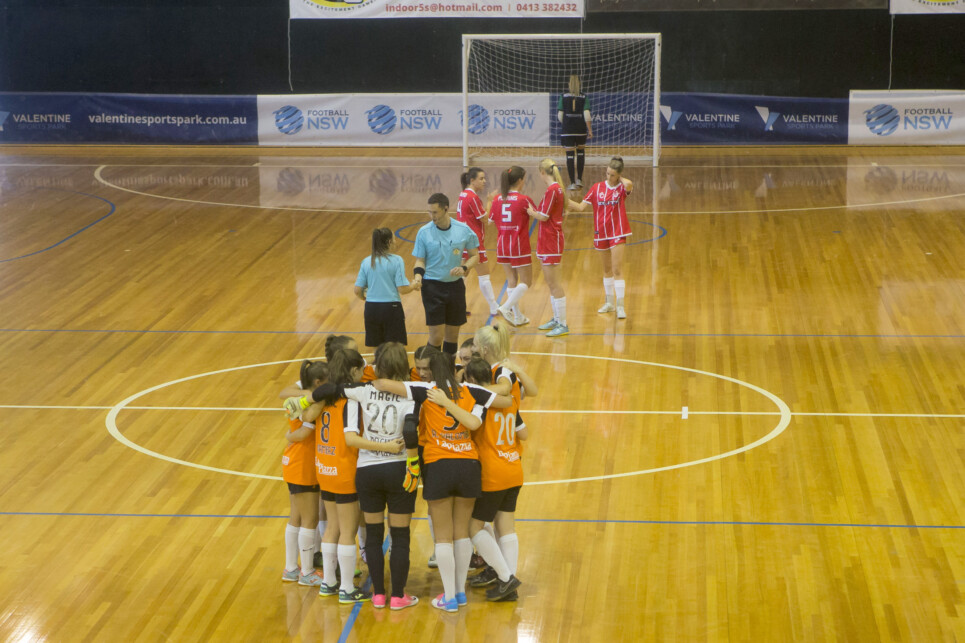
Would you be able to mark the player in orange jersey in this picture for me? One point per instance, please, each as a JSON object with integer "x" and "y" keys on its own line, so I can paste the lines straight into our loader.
{"x": 450, "y": 412}
{"x": 298, "y": 470}
{"x": 502, "y": 478}
{"x": 335, "y": 464}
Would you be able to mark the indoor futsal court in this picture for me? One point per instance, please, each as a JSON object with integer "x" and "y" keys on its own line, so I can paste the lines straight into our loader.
{"x": 769, "y": 447}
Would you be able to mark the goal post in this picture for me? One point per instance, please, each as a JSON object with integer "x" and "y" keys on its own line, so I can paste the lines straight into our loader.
{"x": 512, "y": 83}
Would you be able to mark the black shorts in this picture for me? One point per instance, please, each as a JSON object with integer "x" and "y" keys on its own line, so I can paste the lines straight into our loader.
{"x": 339, "y": 498}
{"x": 572, "y": 140}
{"x": 460, "y": 477}
{"x": 302, "y": 488}
{"x": 384, "y": 322}
{"x": 492, "y": 502}
{"x": 445, "y": 302}
{"x": 380, "y": 486}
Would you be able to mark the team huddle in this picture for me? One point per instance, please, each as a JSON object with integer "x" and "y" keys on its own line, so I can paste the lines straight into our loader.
{"x": 361, "y": 437}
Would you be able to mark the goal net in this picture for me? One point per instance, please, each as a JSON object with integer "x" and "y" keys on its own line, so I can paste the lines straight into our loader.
{"x": 511, "y": 86}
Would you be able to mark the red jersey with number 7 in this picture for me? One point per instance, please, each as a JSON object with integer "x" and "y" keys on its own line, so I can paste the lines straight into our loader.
{"x": 609, "y": 211}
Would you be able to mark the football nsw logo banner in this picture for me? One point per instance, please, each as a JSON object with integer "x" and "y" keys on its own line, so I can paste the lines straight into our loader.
{"x": 302, "y": 9}
{"x": 927, "y": 6}
{"x": 906, "y": 118}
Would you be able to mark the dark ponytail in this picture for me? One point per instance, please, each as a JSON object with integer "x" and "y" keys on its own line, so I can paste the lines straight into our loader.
{"x": 381, "y": 241}
{"x": 312, "y": 372}
{"x": 443, "y": 374}
{"x": 469, "y": 176}
{"x": 509, "y": 178}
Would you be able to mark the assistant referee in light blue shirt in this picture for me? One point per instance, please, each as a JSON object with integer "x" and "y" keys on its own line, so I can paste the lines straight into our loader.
{"x": 439, "y": 271}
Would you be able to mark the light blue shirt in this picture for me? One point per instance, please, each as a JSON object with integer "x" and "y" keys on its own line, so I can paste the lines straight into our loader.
{"x": 442, "y": 249}
{"x": 383, "y": 280}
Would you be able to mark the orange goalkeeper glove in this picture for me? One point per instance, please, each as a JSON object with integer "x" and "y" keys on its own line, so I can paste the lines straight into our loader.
{"x": 412, "y": 473}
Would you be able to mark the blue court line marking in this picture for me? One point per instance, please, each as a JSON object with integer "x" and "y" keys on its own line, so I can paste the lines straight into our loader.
{"x": 355, "y": 331}
{"x": 711, "y": 523}
{"x": 67, "y": 238}
{"x": 350, "y": 622}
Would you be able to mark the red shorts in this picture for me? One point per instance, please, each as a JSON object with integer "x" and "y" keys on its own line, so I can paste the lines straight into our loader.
{"x": 549, "y": 260}
{"x": 482, "y": 255}
{"x": 515, "y": 262}
{"x": 606, "y": 244}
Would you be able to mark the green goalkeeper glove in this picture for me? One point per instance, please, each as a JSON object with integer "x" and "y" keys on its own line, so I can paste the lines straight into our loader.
{"x": 412, "y": 473}
{"x": 295, "y": 405}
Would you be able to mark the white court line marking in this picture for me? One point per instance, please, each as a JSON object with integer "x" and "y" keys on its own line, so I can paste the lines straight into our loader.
{"x": 277, "y": 409}
{"x": 784, "y": 414}
{"x": 845, "y": 206}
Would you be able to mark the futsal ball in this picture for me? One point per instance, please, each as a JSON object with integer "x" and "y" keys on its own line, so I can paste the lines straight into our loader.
{"x": 381, "y": 119}
{"x": 289, "y": 119}
{"x": 882, "y": 119}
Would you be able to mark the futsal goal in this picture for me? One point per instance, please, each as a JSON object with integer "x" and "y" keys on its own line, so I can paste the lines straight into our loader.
{"x": 512, "y": 84}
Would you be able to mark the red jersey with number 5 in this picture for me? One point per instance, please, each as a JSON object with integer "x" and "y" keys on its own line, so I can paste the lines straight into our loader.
{"x": 512, "y": 222}
{"x": 609, "y": 211}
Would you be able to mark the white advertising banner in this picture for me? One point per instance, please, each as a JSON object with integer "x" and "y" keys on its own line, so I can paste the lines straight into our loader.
{"x": 906, "y": 118}
{"x": 409, "y": 120}
{"x": 927, "y": 6}
{"x": 299, "y": 9}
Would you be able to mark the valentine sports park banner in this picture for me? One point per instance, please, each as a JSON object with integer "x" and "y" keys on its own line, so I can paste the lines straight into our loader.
{"x": 906, "y": 118}
{"x": 927, "y": 6}
{"x": 300, "y": 9}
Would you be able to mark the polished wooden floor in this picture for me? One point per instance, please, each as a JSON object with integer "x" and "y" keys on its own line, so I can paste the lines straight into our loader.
{"x": 770, "y": 448}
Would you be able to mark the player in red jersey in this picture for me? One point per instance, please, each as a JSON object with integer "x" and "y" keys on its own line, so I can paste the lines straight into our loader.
{"x": 549, "y": 244}
{"x": 471, "y": 211}
{"x": 510, "y": 213}
{"x": 610, "y": 230}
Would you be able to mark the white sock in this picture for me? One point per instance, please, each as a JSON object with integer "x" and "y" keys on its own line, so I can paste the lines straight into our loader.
{"x": 346, "y": 560}
{"x": 432, "y": 532}
{"x": 608, "y": 289}
{"x": 621, "y": 288}
{"x": 330, "y": 562}
{"x": 561, "y": 310}
{"x": 462, "y": 551}
{"x": 509, "y": 545}
{"x": 488, "y": 548}
{"x": 446, "y": 559}
{"x": 516, "y": 295}
{"x": 361, "y": 534}
{"x": 486, "y": 288}
{"x": 491, "y": 529}
{"x": 553, "y": 307}
{"x": 291, "y": 547}
{"x": 306, "y": 549}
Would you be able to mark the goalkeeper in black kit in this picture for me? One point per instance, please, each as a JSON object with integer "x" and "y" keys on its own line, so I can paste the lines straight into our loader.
{"x": 573, "y": 112}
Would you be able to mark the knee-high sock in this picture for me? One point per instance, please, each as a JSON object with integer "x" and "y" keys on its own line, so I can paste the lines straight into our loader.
{"x": 486, "y": 288}
{"x": 580, "y": 162}
{"x": 488, "y": 548}
{"x": 374, "y": 533}
{"x": 306, "y": 550}
{"x": 620, "y": 286}
{"x": 445, "y": 558}
{"x": 291, "y": 547}
{"x": 509, "y": 545}
{"x": 608, "y": 289}
{"x": 571, "y": 164}
{"x": 463, "y": 554}
{"x": 561, "y": 310}
{"x": 346, "y": 560}
{"x": 516, "y": 295}
{"x": 399, "y": 560}
{"x": 330, "y": 562}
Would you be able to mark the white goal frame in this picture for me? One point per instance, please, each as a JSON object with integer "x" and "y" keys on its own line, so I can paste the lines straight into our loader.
{"x": 467, "y": 40}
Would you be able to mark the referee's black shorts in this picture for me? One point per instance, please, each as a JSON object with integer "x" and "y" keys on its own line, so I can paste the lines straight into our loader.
{"x": 445, "y": 302}
{"x": 384, "y": 322}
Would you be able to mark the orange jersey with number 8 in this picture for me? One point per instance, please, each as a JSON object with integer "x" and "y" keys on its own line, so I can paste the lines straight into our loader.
{"x": 335, "y": 461}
